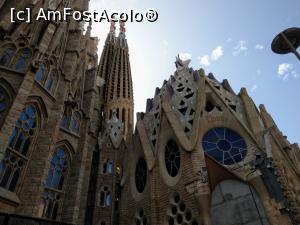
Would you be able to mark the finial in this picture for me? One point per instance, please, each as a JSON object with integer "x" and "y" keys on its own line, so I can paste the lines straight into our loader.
{"x": 122, "y": 27}
{"x": 112, "y": 26}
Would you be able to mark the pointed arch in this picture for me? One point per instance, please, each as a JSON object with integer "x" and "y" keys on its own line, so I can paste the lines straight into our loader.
{"x": 7, "y": 52}
{"x": 40, "y": 104}
{"x": 20, "y": 144}
{"x": 7, "y": 94}
{"x": 52, "y": 81}
{"x": 21, "y": 60}
{"x": 65, "y": 143}
{"x": 57, "y": 179}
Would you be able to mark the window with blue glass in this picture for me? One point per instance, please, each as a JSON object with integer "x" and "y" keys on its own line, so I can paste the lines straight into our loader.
{"x": 52, "y": 195}
{"x": 18, "y": 146}
{"x": 7, "y": 55}
{"x": 74, "y": 123}
{"x": 39, "y": 76}
{"x": 4, "y": 104}
{"x": 58, "y": 170}
{"x": 22, "y": 60}
{"x": 70, "y": 120}
{"x": 49, "y": 83}
{"x": 224, "y": 145}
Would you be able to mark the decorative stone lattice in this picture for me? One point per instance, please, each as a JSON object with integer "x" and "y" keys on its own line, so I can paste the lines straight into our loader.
{"x": 113, "y": 129}
{"x": 184, "y": 97}
{"x": 152, "y": 118}
{"x": 179, "y": 213}
{"x": 140, "y": 218}
{"x": 231, "y": 99}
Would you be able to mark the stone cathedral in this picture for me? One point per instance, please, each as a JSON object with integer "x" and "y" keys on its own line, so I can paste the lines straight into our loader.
{"x": 70, "y": 152}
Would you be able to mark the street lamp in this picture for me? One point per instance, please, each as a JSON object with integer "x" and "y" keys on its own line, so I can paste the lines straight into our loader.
{"x": 287, "y": 41}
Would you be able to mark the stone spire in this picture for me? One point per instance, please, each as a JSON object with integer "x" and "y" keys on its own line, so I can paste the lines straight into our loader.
{"x": 115, "y": 69}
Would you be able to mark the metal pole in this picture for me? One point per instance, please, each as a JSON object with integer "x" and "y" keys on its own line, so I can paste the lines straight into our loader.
{"x": 290, "y": 45}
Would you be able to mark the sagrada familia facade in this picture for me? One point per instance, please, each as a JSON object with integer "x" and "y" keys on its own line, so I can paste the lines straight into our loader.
{"x": 70, "y": 153}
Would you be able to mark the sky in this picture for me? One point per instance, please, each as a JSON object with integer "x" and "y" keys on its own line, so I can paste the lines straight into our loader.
{"x": 232, "y": 39}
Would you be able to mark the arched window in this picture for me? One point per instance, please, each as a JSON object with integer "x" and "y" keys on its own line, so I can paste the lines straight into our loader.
{"x": 58, "y": 169}
{"x": 74, "y": 126}
{"x": 7, "y": 55}
{"x": 172, "y": 158}
{"x": 51, "y": 82}
{"x": 52, "y": 195}
{"x": 22, "y": 60}
{"x": 5, "y": 102}
{"x": 65, "y": 119}
{"x": 39, "y": 76}
{"x": 108, "y": 167}
{"x": 70, "y": 121}
{"x": 18, "y": 146}
{"x": 105, "y": 197}
{"x": 141, "y": 175}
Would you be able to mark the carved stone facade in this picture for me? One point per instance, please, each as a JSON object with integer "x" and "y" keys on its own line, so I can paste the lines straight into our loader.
{"x": 200, "y": 154}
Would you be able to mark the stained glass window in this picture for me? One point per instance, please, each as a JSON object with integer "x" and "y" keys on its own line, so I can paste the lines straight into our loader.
{"x": 74, "y": 123}
{"x": 4, "y": 104}
{"x": 58, "y": 169}
{"x": 19, "y": 141}
{"x": 64, "y": 120}
{"x": 224, "y": 145}
{"x": 172, "y": 158}
{"x": 39, "y": 76}
{"x": 52, "y": 195}
{"x": 141, "y": 175}
{"x": 22, "y": 62}
{"x": 49, "y": 83}
{"x": 7, "y": 56}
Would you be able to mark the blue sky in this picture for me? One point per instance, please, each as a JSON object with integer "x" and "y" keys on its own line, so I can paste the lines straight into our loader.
{"x": 229, "y": 38}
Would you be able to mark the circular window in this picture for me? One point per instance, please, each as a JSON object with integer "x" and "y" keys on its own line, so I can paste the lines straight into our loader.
{"x": 172, "y": 158}
{"x": 224, "y": 145}
{"x": 141, "y": 175}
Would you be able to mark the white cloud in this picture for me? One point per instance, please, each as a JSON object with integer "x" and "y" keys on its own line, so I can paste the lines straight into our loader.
{"x": 254, "y": 87}
{"x": 240, "y": 47}
{"x": 217, "y": 53}
{"x": 204, "y": 60}
{"x": 285, "y": 70}
{"x": 229, "y": 39}
{"x": 259, "y": 47}
{"x": 185, "y": 56}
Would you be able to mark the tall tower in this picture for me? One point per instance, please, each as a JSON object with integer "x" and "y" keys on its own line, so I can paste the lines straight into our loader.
{"x": 115, "y": 69}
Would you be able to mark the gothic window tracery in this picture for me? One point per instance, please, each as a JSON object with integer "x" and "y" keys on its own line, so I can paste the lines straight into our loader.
{"x": 70, "y": 120}
{"x": 40, "y": 74}
{"x": 224, "y": 145}
{"x": 5, "y": 102}
{"x": 7, "y": 54}
{"x": 47, "y": 79}
{"x": 172, "y": 158}
{"x": 51, "y": 82}
{"x": 22, "y": 60}
{"x": 54, "y": 185}
{"x": 19, "y": 143}
{"x": 141, "y": 175}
